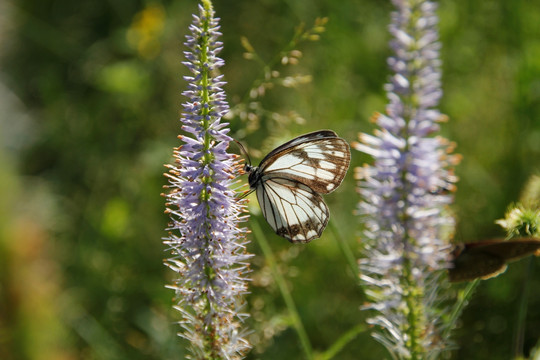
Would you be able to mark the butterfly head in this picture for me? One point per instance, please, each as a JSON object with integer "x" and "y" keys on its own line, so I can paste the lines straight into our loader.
{"x": 253, "y": 175}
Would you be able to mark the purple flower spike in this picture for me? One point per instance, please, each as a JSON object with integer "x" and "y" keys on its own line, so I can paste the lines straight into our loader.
{"x": 207, "y": 245}
{"x": 406, "y": 192}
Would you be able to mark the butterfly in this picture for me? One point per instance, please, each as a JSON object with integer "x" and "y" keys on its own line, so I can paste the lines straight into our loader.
{"x": 290, "y": 180}
{"x": 487, "y": 259}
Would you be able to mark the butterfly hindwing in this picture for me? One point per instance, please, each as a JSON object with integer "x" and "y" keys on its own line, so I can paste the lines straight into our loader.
{"x": 468, "y": 267}
{"x": 292, "y": 209}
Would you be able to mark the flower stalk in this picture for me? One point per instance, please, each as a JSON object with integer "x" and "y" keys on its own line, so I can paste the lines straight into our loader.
{"x": 406, "y": 192}
{"x": 206, "y": 242}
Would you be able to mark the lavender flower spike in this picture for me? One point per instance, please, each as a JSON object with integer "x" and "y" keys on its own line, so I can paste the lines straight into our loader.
{"x": 207, "y": 245}
{"x": 405, "y": 193}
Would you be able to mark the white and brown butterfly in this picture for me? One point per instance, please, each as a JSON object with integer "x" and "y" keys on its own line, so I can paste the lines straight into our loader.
{"x": 486, "y": 259}
{"x": 290, "y": 180}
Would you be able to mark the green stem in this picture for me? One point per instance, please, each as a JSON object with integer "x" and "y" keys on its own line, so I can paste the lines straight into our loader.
{"x": 345, "y": 249}
{"x": 285, "y": 293}
{"x": 414, "y": 312}
{"x": 340, "y": 343}
{"x": 211, "y": 349}
{"x": 412, "y": 292}
{"x": 267, "y": 67}
{"x": 463, "y": 299}
{"x": 522, "y": 312}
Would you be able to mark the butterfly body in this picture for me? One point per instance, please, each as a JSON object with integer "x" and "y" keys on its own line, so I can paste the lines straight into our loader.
{"x": 290, "y": 180}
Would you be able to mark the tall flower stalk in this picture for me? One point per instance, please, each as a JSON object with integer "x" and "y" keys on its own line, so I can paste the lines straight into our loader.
{"x": 205, "y": 240}
{"x": 405, "y": 193}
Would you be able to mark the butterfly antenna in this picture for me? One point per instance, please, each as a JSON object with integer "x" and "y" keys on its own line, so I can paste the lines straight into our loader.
{"x": 245, "y": 194}
{"x": 243, "y": 151}
{"x": 246, "y": 155}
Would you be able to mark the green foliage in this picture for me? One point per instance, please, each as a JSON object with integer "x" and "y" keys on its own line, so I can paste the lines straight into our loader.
{"x": 91, "y": 98}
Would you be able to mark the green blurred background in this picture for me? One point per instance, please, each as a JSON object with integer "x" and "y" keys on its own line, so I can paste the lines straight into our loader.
{"x": 90, "y": 96}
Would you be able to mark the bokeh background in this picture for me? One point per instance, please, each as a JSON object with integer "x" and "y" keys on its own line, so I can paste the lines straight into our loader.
{"x": 90, "y": 95}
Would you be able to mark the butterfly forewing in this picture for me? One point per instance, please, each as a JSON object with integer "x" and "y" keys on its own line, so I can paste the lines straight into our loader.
{"x": 318, "y": 162}
{"x": 292, "y": 209}
{"x": 510, "y": 250}
{"x": 321, "y": 134}
{"x": 291, "y": 178}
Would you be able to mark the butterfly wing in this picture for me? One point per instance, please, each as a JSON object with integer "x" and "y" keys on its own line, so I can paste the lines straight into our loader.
{"x": 469, "y": 266}
{"x": 292, "y": 209}
{"x": 320, "y": 134}
{"x": 510, "y": 250}
{"x": 319, "y": 160}
{"x": 486, "y": 259}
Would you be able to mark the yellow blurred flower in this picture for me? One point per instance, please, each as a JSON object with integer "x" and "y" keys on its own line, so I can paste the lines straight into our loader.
{"x": 145, "y": 31}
